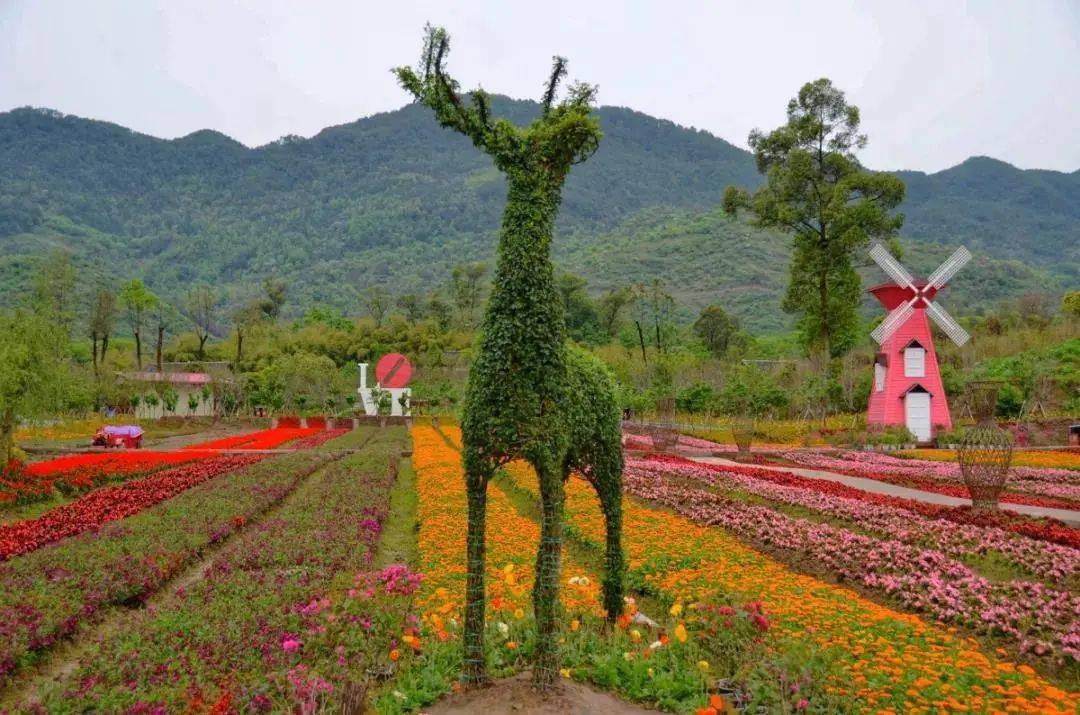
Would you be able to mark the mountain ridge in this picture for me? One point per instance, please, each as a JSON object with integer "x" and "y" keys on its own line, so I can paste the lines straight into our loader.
{"x": 394, "y": 199}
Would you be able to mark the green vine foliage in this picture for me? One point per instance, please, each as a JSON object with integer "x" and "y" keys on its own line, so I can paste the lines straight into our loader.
{"x": 529, "y": 396}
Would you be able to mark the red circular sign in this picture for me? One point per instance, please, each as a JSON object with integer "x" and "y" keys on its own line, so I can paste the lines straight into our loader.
{"x": 393, "y": 370}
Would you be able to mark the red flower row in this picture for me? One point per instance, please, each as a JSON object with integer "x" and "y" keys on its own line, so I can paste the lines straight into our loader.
{"x": 263, "y": 439}
{"x": 1043, "y": 529}
{"x": 111, "y": 503}
{"x": 928, "y": 484}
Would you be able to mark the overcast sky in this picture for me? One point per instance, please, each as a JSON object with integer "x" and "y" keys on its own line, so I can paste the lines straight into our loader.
{"x": 936, "y": 81}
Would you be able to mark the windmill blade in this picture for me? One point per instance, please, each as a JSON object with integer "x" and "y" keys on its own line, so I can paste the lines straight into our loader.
{"x": 890, "y": 265}
{"x": 947, "y": 324}
{"x": 893, "y": 320}
{"x": 949, "y": 268}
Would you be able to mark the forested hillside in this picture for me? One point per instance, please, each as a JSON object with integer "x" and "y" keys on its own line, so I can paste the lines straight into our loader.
{"x": 395, "y": 200}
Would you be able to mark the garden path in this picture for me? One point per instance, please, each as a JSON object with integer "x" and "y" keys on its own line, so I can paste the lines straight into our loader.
{"x": 1070, "y": 517}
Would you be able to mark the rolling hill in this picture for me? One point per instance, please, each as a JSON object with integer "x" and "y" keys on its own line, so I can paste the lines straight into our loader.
{"x": 393, "y": 199}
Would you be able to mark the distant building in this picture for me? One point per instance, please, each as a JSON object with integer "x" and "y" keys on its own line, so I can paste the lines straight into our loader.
{"x": 185, "y": 384}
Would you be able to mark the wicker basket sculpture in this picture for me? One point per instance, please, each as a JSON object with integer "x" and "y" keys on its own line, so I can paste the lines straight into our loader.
{"x": 663, "y": 430}
{"x": 742, "y": 431}
{"x": 985, "y": 452}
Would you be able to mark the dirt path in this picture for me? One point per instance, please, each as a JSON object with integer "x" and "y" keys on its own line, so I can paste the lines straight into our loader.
{"x": 516, "y": 695}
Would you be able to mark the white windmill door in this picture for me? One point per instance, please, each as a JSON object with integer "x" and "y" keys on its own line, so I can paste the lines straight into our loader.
{"x": 917, "y": 409}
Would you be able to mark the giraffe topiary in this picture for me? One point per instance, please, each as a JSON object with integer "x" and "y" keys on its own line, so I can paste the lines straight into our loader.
{"x": 530, "y": 396}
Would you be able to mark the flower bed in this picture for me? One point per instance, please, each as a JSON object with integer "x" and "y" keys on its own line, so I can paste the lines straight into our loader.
{"x": 1040, "y": 529}
{"x": 1041, "y": 621}
{"x": 281, "y": 620}
{"x": 877, "y": 657}
{"x": 1050, "y": 562}
{"x": 77, "y": 473}
{"x": 1036, "y": 458}
{"x": 1041, "y": 487}
{"x": 665, "y": 667}
{"x": 263, "y": 439}
{"x": 111, "y": 503}
{"x": 51, "y": 593}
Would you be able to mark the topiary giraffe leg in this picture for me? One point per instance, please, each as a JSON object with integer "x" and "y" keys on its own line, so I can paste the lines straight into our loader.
{"x": 606, "y": 478}
{"x": 546, "y": 587}
{"x": 477, "y": 476}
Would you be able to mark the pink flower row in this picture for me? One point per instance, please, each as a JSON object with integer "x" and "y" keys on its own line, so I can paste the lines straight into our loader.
{"x": 1063, "y": 483}
{"x": 1041, "y": 620}
{"x": 1052, "y": 562}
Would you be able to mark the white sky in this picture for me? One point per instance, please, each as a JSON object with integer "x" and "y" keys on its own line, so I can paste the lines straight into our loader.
{"x": 936, "y": 81}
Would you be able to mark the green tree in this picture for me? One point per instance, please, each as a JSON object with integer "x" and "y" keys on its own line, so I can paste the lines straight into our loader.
{"x": 715, "y": 327}
{"x": 411, "y": 307}
{"x": 33, "y": 373}
{"x": 275, "y": 291}
{"x": 201, "y": 306}
{"x": 467, "y": 290}
{"x": 377, "y": 301}
{"x": 816, "y": 190}
{"x": 1070, "y": 304}
{"x": 137, "y": 301}
{"x": 611, "y": 307}
{"x": 102, "y": 317}
{"x": 244, "y": 318}
{"x": 582, "y": 320}
{"x": 54, "y": 289}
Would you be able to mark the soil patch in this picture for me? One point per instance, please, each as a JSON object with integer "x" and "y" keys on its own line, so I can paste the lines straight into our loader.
{"x": 510, "y": 696}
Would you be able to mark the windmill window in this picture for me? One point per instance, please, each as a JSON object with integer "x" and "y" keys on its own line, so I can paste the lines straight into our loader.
{"x": 879, "y": 377}
{"x": 914, "y": 361}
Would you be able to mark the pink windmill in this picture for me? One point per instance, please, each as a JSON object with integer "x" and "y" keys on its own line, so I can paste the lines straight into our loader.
{"x": 907, "y": 387}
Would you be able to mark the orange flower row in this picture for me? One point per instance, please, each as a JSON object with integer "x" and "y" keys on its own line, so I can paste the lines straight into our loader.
{"x": 883, "y": 658}
{"x": 1049, "y": 458}
{"x": 512, "y": 540}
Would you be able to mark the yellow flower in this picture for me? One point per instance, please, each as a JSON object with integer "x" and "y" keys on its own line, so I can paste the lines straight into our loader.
{"x": 703, "y": 666}
{"x": 575, "y": 624}
{"x": 650, "y": 672}
{"x": 635, "y": 635}
{"x": 564, "y": 672}
{"x": 519, "y": 613}
{"x": 680, "y": 633}
{"x": 676, "y": 610}
{"x": 628, "y": 656}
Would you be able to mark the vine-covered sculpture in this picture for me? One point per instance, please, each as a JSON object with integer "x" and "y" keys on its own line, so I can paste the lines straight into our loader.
{"x": 529, "y": 395}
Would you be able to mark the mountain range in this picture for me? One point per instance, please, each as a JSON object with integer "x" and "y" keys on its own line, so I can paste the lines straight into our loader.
{"x": 395, "y": 200}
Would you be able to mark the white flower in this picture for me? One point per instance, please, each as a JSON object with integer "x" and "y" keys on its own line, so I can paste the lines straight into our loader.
{"x": 503, "y": 629}
{"x": 655, "y": 644}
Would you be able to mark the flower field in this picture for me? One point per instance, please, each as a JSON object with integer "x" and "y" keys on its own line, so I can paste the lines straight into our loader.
{"x": 53, "y": 592}
{"x": 288, "y": 616}
{"x": 875, "y": 657}
{"x": 748, "y": 588}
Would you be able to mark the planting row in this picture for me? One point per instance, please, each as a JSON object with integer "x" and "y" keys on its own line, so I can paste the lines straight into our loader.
{"x": 1050, "y": 562}
{"x": 1046, "y": 487}
{"x": 48, "y": 595}
{"x": 286, "y": 617}
{"x": 77, "y": 473}
{"x": 870, "y": 656}
{"x": 1039, "y": 620}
